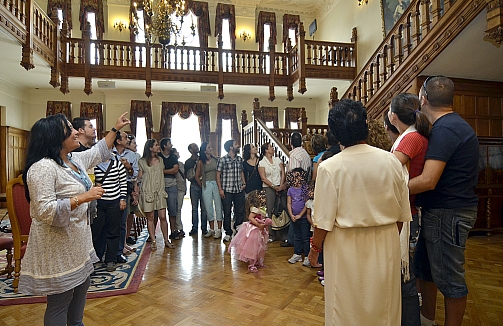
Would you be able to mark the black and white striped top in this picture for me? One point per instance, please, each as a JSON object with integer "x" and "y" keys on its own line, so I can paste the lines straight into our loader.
{"x": 115, "y": 184}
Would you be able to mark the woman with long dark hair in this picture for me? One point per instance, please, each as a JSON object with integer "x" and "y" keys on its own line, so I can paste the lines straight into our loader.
{"x": 206, "y": 178}
{"x": 250, "y": 168}
{"x": 152, "y": 193}
{"x": 59, "y": 255}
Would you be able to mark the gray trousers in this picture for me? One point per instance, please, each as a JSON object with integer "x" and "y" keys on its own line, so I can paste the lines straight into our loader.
{"x": 67, "y": 307}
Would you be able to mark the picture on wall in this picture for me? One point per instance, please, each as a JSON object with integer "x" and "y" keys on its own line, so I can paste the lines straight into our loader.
{"x": 392, "y": 11}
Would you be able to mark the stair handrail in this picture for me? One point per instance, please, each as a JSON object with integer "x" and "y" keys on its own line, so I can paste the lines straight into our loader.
{"x": 415, "y": 23}
{"x": 265, "y": 135}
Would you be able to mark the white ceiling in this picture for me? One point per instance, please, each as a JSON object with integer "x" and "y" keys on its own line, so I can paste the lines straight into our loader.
{"x": 468, "y": 56}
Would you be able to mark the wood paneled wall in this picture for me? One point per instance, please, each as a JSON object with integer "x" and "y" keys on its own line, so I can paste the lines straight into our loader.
{"x": 13, "y": 146}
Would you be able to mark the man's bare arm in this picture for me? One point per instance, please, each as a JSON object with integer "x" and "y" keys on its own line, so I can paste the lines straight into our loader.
{"x": 429, "y": 177}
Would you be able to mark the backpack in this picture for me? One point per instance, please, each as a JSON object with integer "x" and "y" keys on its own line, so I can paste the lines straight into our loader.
{"x": 190, "y": 174}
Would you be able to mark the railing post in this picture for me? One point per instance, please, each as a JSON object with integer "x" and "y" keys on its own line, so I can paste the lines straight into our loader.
{"x": 354, "y": 39}
{"x": 416, "y": 27}
{"x": 244, "y": 123}
{"x": 289, "y": 58}
{"x": 435, "y": 11}
{"x": 303, "y": 121}
{"x": 425, "y": 17}
{"x": 220, "y": 68}
{"x": 64, "y": 60}
{"x": 56, "y": 46}
{"x": 27, "y": 59}
{"x": 148, "y": 70}
{"x": 272, "y": 68}
{"x": 302, "y": 59}
{"x": 88, "y": 86}
{"x": 256, "y": 114}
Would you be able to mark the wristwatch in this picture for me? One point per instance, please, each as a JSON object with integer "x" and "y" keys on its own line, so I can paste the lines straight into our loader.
{"x": 115, "y": 130}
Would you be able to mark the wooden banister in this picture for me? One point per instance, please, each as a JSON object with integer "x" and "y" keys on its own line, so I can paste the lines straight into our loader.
{"x": 422, "y": 32}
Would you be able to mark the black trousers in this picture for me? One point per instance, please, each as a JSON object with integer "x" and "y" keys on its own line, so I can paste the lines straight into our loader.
{"x": 106, "y": 229}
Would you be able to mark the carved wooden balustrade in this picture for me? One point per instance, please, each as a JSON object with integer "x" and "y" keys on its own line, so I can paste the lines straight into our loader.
{"x": 422, "y": 32}
{"x": 72, "y": 57}
{"x": 264, "y": 135}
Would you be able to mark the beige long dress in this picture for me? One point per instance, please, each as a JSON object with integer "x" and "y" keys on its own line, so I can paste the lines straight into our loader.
{"x": 152, "y": 193}
{"x": 360, "y": 194}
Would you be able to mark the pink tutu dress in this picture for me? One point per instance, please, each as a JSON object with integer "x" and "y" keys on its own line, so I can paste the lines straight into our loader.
{"x": 250, "y": 243}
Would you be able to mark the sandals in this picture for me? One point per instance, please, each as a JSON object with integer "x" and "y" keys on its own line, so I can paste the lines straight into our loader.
{"x": 252, "y": 269}
{"x": 153, "y": 245}
{"x": 169, "y": 245}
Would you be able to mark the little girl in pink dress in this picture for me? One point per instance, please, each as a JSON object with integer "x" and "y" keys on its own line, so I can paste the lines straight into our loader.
{"x": 250, "y": 243}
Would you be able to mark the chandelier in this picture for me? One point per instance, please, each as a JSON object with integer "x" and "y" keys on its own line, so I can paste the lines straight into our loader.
{"x": 164, "y": 20}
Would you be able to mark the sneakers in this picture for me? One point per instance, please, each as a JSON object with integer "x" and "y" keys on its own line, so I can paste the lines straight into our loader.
{"x": 306, "y": 262}
{"x": 209, "y": 234}
{"x": 322, "y": 282}
{"x": 130, "y": 241}
{"x": 227, "y": 238}
{"x": 111, "y": 267}
{"x": 218, "y": 234}
{"x": 295, "y": 258}
{"x": 192, "y": 232}
{"x": 320, "y": 273}
{"x": 182, "y": 233}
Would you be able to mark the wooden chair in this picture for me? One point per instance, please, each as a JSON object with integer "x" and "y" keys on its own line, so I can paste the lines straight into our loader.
{"x": 20, "y": 220}
{"x": 6, "y": 243}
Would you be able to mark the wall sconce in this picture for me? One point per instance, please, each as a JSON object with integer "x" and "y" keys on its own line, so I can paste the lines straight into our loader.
{"x": 244, "y": 36}
{"x": 120, "y": 25}
{"x": 360, "y": 2}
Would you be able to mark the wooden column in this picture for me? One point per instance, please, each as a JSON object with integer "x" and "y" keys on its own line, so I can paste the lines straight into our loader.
{"x": 289, "y": 87}
{"x": 27, "y": 59}
{"x": 303, "y": 121}
{"x": 220, "y": 68}
{"x": 148, "y": 70}
{"x": 64, "y": 77}
{"x": 272, "y": 68}
{"x": 302, "y": 59}
{"x": 88, "y": 86}
{"x": 56, "y": 45}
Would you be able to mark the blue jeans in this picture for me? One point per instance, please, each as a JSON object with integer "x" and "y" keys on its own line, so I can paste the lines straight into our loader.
{"x": 301, "y": 233}
{"x": 210, "y": 196}
{"x": 440, "y": 250}
{"x": 238, "y": 199}
{"x": 196, "y": 199}
{"x": 172, "y": 200}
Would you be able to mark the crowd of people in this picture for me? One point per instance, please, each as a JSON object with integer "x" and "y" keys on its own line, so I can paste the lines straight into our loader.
{"x": 386, "y": 226}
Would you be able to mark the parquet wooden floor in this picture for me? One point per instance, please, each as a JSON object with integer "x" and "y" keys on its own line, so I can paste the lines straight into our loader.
{"x": 199, "y": 284}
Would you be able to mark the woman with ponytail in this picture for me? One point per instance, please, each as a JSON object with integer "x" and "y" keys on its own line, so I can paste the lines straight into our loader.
{"x": 410, "y": 148}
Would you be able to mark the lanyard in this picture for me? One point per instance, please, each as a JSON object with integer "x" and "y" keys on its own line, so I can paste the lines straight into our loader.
{"x": 81, "y": 176}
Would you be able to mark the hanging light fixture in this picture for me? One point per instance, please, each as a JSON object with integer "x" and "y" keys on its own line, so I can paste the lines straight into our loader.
{"x": 164, "y": 20}
{"x": 360, "y": 2}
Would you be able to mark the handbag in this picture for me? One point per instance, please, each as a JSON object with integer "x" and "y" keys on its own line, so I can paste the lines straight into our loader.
{"x": 280, "y": 218}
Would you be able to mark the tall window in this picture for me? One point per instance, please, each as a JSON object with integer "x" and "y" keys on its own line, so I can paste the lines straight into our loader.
{"x": 226, "y": 134}
{"x": 226, "y": 45}
{"x": 183, "y": 133}
{"x": 191, "y": 57}
{"x": 265, "y": 47}
{"x": 140, "y": 51}
{"x": 141, "y": 134}
{"x": 93, "y": 123}
{"x": 269, "y": 124}
{"x": 292, "y": 36}
{"x": 60, "y": 18}
{"x": 91, "y": 18}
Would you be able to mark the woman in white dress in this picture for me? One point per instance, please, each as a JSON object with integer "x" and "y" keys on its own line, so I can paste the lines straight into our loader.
{"x": 360, "y": 195}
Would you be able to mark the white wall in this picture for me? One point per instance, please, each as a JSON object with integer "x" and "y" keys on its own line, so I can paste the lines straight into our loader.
{"x": 118, "y": 101}
{"x": 336, "y": 25}
{"x": 12, "y": 101}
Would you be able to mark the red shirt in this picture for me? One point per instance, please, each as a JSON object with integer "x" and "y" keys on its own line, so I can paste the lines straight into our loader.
{"x": 414, "y": 146}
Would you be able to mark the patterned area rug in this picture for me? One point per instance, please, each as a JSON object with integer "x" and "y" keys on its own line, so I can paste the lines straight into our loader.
{"x": 125, "y": 280}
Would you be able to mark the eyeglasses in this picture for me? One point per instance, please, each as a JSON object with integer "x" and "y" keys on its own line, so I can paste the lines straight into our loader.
{"x": 426, "y": 83}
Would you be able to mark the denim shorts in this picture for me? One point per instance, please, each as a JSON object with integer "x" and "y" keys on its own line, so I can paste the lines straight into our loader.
{"x": 440, "y": 251}
{"x": 172, "y": 200}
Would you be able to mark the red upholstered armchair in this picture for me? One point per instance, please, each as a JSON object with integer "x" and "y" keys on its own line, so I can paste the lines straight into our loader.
{"x": 20, "y": 220}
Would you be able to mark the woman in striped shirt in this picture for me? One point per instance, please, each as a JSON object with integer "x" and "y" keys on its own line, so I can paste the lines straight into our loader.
{"x": 106, "y": 226}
